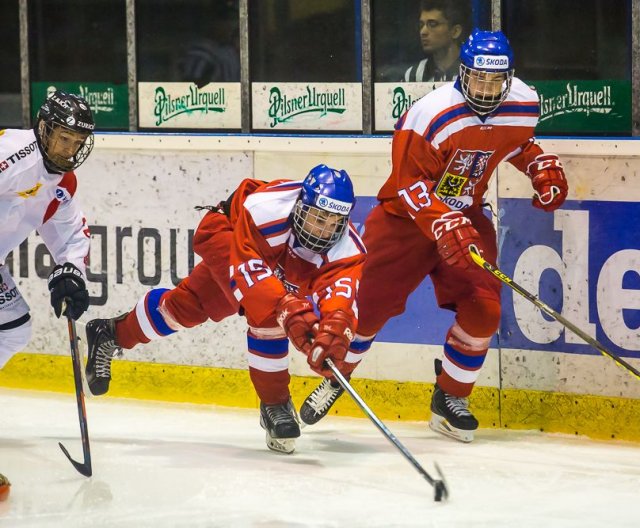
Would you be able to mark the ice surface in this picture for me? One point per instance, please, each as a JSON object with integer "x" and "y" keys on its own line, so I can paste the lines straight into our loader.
{"x": 170, "y": 465}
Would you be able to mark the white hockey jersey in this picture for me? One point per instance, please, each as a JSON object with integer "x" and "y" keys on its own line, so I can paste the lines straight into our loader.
{"x": 33, "y": 199}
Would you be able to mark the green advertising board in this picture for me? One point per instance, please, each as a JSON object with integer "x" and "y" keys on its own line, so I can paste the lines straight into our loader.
{"x": 600, "y": 107}
{"x": 109, "y": 102}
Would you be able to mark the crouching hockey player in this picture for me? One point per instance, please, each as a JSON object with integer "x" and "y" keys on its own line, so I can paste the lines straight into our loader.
{"x": 445, "y": 149}
{"x": 264, "y": 251}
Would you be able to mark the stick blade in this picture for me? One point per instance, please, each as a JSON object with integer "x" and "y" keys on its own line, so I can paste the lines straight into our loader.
{"x": 441, "y": 490}
{"x": 83, "y": 469}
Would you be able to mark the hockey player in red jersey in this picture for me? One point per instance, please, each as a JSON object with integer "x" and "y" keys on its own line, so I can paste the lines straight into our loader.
{"x": 264, "y": 251}
{"x": 445, "y": 148}
{"x": 37, "y": 188}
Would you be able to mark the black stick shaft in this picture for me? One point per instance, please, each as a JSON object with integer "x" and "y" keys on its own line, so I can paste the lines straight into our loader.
{"x": 480, "y": 261}
{"x": 438, "y": 484}
{"x": 84, "y": 468}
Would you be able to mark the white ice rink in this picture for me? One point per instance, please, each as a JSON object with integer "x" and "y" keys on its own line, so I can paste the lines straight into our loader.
{"x": 169, "y": 465}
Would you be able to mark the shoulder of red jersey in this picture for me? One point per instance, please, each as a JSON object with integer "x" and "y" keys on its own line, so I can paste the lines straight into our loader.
{"x": 443, "y": 112}
{"x": 522, "y": 92}
{"x": 520, "y": 108}
{"x": 270, "y": 206}
{"x": 350, "y": 245}
{"x": 426, "y": 110}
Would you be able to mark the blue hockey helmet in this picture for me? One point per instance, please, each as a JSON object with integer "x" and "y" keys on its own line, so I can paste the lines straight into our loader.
{"x": 321, "y": 213}
{"x": 486, "y": 70}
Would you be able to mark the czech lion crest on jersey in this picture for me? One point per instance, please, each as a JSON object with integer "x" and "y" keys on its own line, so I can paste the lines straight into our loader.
{"x": 463, "y": 173}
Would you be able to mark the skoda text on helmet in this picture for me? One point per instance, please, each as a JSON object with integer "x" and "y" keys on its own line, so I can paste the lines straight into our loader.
{"x": 65, "y": 131}
{"x": 486, "y": 70}
{"x": 321, "y": 214}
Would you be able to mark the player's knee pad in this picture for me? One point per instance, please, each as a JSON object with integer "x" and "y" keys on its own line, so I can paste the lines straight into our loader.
{"x": 14, "y": 340}
{"x": 479, "y": 316}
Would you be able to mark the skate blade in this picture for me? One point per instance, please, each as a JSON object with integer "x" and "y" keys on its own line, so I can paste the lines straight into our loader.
{"x": 440, "y": 425}
{"x": 281, "y": 445}
{"x": 81, "y": 329}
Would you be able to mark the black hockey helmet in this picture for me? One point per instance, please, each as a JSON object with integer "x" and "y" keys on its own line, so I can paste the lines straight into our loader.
{"x": 71, "y": 113}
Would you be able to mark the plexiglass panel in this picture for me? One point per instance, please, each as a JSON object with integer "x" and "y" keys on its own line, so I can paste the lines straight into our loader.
{"x": 580, "y": 63}
{"x": 188, "y": 54}
{"x": 81, "y": 47}
{"x": 10, "y": 96}
{"x": 306, "y": 65}
{"x": 416, "y": 47}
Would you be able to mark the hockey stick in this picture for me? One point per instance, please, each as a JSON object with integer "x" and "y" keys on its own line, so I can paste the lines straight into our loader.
{"x": 440, "y": 486}
{"x": 84, "y": 468}
{"x": 477, "y": 258}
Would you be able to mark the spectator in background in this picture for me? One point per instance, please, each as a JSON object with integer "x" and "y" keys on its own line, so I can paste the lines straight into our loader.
{"x": 443, "y": 27}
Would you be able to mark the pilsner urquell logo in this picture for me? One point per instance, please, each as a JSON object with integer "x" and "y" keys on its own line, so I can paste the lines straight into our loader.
{"x": 575, "y": 100}
{"x": 401, "y": 102}
{"x": 99, "y": 101}
{"x": 169, "y": 106}
{"x": 283, "y": 108}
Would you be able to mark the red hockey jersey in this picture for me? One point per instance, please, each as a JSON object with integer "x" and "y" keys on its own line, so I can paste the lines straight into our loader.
{"x": 443, "y": 154}
{"x": 267, "y": 261}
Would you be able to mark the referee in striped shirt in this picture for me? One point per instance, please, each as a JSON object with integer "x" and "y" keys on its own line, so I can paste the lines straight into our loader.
{"x": 443, "y": 27}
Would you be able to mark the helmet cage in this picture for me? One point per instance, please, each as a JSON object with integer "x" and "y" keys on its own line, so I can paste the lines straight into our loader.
{"x": 56, "y": 161}
{"x": 313, "y": 231}
{"x": 484, "y": 99}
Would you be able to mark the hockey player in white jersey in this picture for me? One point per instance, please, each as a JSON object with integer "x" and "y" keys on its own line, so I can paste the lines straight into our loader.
{"x": 37, "y": 187}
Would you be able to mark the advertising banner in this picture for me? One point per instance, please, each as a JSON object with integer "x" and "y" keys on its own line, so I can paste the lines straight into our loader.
{"x": 109, "y": 102}
{"x": 584, "y": 107}
{"x": 185, "y": 105}
{"x": 583, "y": 261}
{"x": 394, "y": 99}
{"x": 307, "y": 106}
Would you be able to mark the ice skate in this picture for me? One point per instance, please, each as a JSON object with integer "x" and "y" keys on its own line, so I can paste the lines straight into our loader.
{"x": 450, "y": 416}
{"x": 280, "y": 423}
{"x": 317, "y": 405}
{"x": 102, "y": 348}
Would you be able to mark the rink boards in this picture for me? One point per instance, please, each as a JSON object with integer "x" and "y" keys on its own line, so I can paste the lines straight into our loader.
{"x": 138, "y": 193}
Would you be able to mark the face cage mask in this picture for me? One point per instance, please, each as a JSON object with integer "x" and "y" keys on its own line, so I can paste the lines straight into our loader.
{"x": 61, "y": 163}
{"x": 305, "y": 217}
{"x": 484, "y": 101}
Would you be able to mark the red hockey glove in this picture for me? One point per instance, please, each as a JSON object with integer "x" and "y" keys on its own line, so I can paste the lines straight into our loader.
{"x": 549, "y": 182}
{"x": 295, "y": 315}
{"x": 331, "y": 342}
{"x": 454, "y": 234}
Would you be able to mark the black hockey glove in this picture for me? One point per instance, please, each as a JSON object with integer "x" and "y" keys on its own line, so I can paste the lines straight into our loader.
{"x": 66, "y": 284}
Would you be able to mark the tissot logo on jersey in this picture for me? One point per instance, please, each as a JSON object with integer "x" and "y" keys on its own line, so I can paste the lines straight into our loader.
{"x": 7, "y": 293}
{"x": 333, "y": 206}
{"x": 491, "y": 62}
{"x": 22, "y": 153}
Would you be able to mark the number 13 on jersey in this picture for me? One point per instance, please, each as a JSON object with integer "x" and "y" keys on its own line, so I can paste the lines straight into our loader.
{"x": 416, "y": 195}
